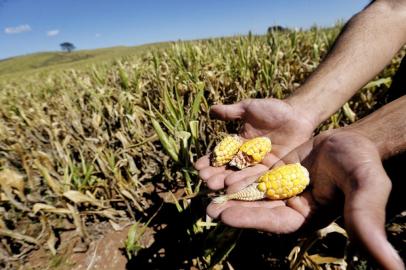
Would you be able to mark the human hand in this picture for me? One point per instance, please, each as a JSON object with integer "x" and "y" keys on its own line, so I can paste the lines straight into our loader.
{"x": 285, "y": 125}
{"x": 347, "y": 178}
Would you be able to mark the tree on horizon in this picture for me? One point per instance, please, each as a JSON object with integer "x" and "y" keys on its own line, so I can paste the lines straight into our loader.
{"x": 67, "y": 46}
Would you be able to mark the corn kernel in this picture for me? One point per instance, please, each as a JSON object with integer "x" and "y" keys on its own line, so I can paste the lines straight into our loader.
{"x": 269, "y": 186}
{"x": 262, "y": 186}
{"x": 252, "y": 152}
{"x": 224, "y": 152}
{"x": 270, "y": 193}
{"x": 292, "y": 180}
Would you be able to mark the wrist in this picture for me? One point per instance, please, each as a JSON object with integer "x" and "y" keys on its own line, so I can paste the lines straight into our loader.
{"x": 356, "y": 137}
{"x": 368, "y": 132}
{"x": 300, "y": 105}
{"x": 386, "y": 128}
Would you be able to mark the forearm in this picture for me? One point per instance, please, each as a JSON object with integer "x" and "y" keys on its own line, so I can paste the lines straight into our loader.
{"x": 386, "y": 128}
{"x": 367, "y": 44}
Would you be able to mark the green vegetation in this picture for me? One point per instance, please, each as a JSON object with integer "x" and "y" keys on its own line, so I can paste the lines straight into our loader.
{"x": 84, "y": 142}
{"x": 50, "y": 61}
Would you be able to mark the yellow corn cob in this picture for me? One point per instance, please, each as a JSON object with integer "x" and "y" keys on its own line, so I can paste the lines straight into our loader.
{"x": 277, "y": 184}
{"x": 226, "y": 150}
{"x": 252, "y": 152}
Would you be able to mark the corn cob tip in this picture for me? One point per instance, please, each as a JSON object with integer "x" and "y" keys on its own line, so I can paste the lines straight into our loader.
{"x": 220, "y": 199}
{"x": 249, "y": 193}
{"x": 240, "y": 161}
{"x": 251, "y": 152}
{"x": 225, "y": 150}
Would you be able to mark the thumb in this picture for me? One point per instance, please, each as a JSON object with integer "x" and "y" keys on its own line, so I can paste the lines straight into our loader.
{"x": 302, "y": 154}
{"x": 364, "y": 214}
{"x": 228, "y": 112}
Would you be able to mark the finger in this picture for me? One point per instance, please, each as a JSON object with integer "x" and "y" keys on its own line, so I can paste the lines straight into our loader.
{"x": 280, "y": 219}
{"x": 228, "y": 112}
{"x": 215, "y": 209}
{"x": 243, "y": 183}
{"x": 269, "y": 160}
{"x": 245, "y": 173}
{"x": 364, "y": 213}
{"x": 237, "y": 176}
{"x": 278, "y": 151}
{"x": 208, "y": 172}
{"x": 202, "y": 162}
{"x": 300, "y": 154}
{"x": 303, "y": 204}
{"x": 216, "y": 182}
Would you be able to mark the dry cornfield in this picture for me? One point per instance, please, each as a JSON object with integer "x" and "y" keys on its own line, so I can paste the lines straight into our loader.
{"x": 114, "y": 143}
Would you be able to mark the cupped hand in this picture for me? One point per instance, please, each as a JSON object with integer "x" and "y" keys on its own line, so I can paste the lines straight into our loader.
{"x": 347, "y": 177}
{"x": 285, "y": 125}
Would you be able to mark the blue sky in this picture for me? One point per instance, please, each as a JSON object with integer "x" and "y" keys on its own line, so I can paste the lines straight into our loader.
{"x": 31, "y": 26}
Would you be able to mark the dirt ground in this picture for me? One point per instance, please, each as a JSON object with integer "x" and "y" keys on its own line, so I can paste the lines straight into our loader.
{"x": 106, "y": 249}
{"x": 104, "y": 253}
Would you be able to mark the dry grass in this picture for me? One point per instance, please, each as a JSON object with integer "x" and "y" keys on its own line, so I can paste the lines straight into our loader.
{"x": 100, "y": 144}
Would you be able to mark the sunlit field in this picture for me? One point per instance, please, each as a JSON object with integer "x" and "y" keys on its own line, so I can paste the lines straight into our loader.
{"x": 90, "y": 145}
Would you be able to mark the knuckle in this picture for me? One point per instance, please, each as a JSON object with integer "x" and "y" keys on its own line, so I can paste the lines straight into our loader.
{"x": 215, "y": 184}
{"x": 344, "y": 141}
{"x": 204, "y": 174}
{"x": 229, "y": 180}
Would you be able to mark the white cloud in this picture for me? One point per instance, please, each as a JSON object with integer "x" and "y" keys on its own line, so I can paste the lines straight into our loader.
{"x": 97, "y": 35}
{"x": 52, "y": 33}
{"x": 17, "y": 29}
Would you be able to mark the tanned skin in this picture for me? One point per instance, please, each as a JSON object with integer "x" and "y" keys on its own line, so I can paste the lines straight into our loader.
{"x": 347, "y": 178}
{"x": 345, "y": 164}
{"x": 359, "y": 53}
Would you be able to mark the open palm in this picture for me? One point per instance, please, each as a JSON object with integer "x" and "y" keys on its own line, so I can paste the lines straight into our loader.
{"x": 275, "y": 118}
{"x": 347, "y": 178}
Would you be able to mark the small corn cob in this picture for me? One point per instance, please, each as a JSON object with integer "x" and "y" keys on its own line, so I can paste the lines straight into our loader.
{"x": 252, "y": 152}
{"x": 277, "y": 184}
{"x": 226, "y": 150}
